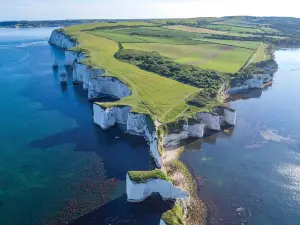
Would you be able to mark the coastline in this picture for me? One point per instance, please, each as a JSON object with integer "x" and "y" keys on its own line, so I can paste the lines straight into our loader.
{"x": 169, "y": 161}
{"x": 197, "y": 212}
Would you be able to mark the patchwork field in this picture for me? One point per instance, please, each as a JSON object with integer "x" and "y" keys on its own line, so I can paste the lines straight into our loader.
{"x": 187, "y": 60}
{"x": 195, "y": 29}
{"x": 147, "y": 88}
{"x": 178, "y": 67}
{"x": 118, "y": 37}
{"x": 240, "y": 29}
{"x": 243, "y": 44}
{"x": 123, "y": 37}
{"x": 148, "y": 34}
{"x": 223, "y": 58}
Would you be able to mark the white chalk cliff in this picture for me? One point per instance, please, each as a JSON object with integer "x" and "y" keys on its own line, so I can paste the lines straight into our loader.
{"x": 210, "y": 120}
{"x": 61, "y": 40}
{"x": 229, "y": 116}
{"x": 195, "y": 130}
{"x": 108, "y": 117}
{"x": 257, "y": 81}
{"x": 97, "y": 85}
{"x": 106, "y": 86}
{"x": 135, "y": 124}
{"x": 162, "y": 222}
{"x": 70, "y": 57}
{"x": 94, "y": 81}
{"x": 137, "y": 192}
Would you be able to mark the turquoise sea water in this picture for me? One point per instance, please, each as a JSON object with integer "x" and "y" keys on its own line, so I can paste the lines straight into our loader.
{"x": 256, "y": 165}
{"x": 55, "y": 164}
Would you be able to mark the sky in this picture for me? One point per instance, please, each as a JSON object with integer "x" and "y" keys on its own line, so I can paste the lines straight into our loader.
{"x": 135, "y": 9}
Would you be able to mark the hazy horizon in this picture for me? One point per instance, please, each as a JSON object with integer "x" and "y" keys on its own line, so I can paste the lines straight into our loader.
{"x": 134, "y": 9}
{"x": 137, "y": 18}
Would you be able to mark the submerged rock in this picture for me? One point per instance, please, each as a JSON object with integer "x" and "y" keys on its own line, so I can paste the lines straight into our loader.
{"x": 240, "y": 211}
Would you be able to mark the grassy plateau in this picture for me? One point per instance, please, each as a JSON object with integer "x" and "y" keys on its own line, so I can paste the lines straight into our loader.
{"x": 219, "y": 57}
{"x": 186, "y": 57}
{"x": 178, "y": 67}
{"x": 151, "y": 94}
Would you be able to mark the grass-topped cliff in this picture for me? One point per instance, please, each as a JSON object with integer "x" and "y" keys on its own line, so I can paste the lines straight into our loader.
{"x": 151, "y": 94}
{"x": 164, "y": 66}
{"x": 144, "y": 176}
{"x": 174, "y": 69}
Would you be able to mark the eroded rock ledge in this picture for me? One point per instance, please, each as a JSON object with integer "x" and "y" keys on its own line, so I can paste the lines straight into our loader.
{"x": 94, "y": 81}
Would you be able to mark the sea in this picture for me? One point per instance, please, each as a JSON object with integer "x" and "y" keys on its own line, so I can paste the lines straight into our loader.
{"x": 58, "y": 167}
{"x": 250, "y": 174}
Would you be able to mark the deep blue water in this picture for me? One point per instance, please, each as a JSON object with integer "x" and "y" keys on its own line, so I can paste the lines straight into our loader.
{"x": 55, "y": 164}
{"x": 256, "y": 165}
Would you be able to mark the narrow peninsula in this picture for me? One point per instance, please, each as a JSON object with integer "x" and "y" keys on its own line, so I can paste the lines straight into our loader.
{"x": 171, "y": 79}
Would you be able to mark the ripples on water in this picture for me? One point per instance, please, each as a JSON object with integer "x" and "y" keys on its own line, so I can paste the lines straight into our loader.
{"x": 55, "y": 164}
{"x": 256, "y": 165}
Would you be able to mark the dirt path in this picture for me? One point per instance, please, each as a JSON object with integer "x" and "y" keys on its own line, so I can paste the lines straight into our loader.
{"x": 252, "y": 57}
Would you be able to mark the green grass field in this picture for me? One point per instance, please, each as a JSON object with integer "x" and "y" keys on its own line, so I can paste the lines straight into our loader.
{"x": 188, "y": 59}
{"x": 243, "y": 44}
{"x": 117, "y": 36}
{"x": 260, "y": 54}
{"x": 151, "y": 32}
{"x": 156, "y": 95}
{"x": 238, "y": 29}
{"x": 147, "y": 88}
{"x": 174, "y": 41}
{"x": 195, "y": 29}
{"x": 218, "y": 57}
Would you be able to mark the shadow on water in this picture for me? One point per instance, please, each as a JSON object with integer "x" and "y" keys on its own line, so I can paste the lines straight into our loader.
{"x": 118, "y": 151}
{"x": 88, "y": 137}
{"x": 121, "y": 212}
{"x": 209, "y": 137}
{"x": 252, "y": 93}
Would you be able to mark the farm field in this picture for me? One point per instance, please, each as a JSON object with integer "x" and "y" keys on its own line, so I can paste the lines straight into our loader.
{"x": 119, "y": 35}
{"x": 195, "y": 29}
{"x": 244, "y": 44}
{"x": 150, "y": 34}
{"x": 179, "y": 67}
{"x": 238, "y": 29}
{"x": 218, "y": 57}
{"x": 196, "y": 57}
{"x": 260, "y": 54}
{"x": 147, "y": 88}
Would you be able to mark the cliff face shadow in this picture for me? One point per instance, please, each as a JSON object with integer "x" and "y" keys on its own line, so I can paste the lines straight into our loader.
{"x": 210, "y": 136}
{"x": 252, "y": 93}
{"x": 121, "y": 212}
{"x": 119, "y": 152}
